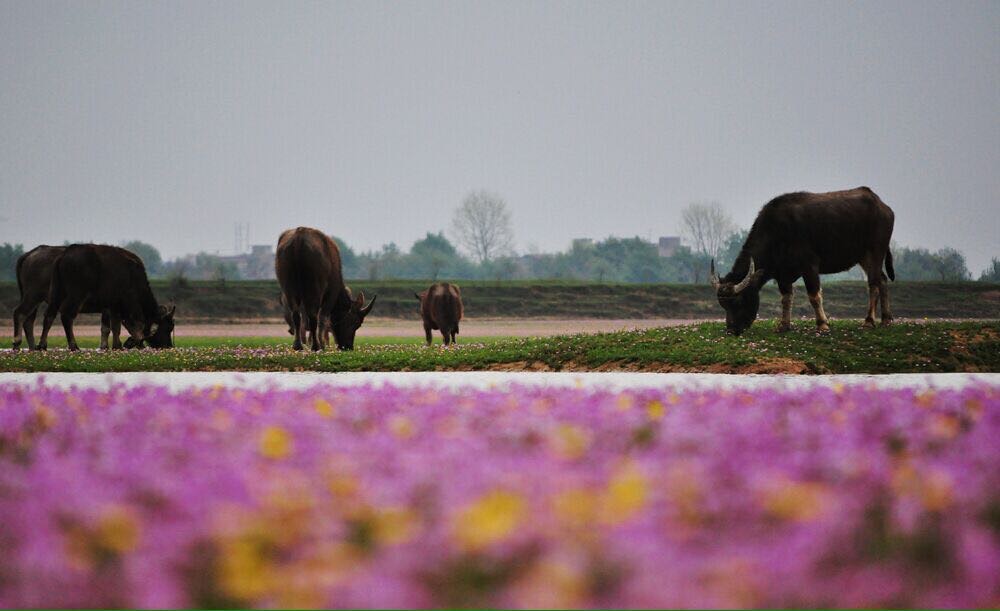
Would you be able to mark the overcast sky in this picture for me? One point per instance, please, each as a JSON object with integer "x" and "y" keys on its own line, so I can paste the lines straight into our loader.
{"x": 170, "y": 121}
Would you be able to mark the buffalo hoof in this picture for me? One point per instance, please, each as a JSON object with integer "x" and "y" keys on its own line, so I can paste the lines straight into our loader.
{"x": 42, "y": 347}
{"x": 868, "y": 324}
{"x": 886, "y": 322}
{"x": 783, "y": 327}
{"x": 74, "y": 348}
{"x": 823, "y": 328}
{"x": 16, "y": 346}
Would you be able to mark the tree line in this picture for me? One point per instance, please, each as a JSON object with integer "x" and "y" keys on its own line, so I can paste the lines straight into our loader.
{"x": 480, "y": 247}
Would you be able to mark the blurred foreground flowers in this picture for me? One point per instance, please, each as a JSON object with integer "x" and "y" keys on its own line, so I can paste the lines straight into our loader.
{"x": 526, "y": 498}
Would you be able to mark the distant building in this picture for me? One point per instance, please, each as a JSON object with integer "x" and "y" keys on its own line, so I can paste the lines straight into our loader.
{"x": 258, "y": 264}
{"x": 668, "y": 245}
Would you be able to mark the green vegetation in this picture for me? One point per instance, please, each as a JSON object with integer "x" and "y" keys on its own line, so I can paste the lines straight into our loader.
{"x": 848, "y": 348}
{"x": 212, "y": 301}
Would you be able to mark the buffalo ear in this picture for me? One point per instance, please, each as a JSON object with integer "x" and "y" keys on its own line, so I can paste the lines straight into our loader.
{"x": 360, "y": 299}
{"x": 170, "y": 312}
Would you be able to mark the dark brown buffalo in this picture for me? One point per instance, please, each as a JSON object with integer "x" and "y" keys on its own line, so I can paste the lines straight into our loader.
{"x": 307, "y": 263}
{"x": 803, "y": 235}
{"x": 110, "y": 280}
{"x": 441, "y": 308}
{"x": 34, "y": 277}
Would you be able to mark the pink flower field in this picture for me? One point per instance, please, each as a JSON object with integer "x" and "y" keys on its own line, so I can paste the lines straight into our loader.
{"x": 391, "y": 497}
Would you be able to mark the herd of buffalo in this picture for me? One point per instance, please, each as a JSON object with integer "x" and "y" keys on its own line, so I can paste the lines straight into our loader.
{"x": 796, "y": 235}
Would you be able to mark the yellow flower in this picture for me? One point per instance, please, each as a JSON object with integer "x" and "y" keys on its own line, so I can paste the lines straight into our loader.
{"x": 944, "y": 426}
{"x": 685, "y": 491}
{"x": 926, "y": 398}
{"x": 275, "y": 442}
{"x": 570, "y": 442}
{"x": 394, "y": 525}
{"x": 44, "y": 415}
{"x": 488, "y": 520}
{"x": 655, "y": 410}
{"x": 402, "y": 427}
{"x": 626, "y": 495}
{"x": 551, "y": 584}
{"x": 936, "y": 491}
{"x": 116, "y": 532}
{"x": 575, "y": 508}
{"x": 624, "y": 402}
{"x": 324, "y": 408}
{"x": 246, "y": 569}
{"x": 118, "y": 529}
{"x": 795, "y": 501}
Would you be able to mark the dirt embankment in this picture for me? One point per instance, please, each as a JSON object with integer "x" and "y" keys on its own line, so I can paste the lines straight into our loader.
{"x": 765, "y": 366}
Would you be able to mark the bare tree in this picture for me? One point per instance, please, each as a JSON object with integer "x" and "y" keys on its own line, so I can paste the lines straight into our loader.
{"x": 708, "y": 226}
{"x": 482, "y": 225}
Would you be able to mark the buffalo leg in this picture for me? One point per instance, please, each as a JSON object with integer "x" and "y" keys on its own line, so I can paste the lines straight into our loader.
{"x": 816, "y": 300}
{"x": 50, "y": 315}
{"x": 883, "y": 293}
{"x": 787, "y": 291}
{"x": 872, "y": 300}
{"x": 445, "y": 336}
{"x": 428, "y": 335}
{"x": 300, "y": 331}
{"x": 314, "y": 331}
{"x": 105, "y": 330}
{"x": 22, "y": 313}
{"x": 116, "y": 332}
{"x": 29, "y": 328}
{"x": 66, "y": 316}
{"x": 454, "y": 340}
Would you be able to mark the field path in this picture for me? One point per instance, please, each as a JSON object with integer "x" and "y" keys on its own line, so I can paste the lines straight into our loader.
{"x": 394, "y": 327}
{"x": 491, "y": 379}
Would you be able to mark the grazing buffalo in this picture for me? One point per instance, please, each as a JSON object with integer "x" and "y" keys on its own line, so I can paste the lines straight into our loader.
{"x": 441, "y": 308}
{"x": 307, "y": 263}
{"x": 34, "y": 277}
{"x": 803, "y": 235}
{"x": 110, "y": 280}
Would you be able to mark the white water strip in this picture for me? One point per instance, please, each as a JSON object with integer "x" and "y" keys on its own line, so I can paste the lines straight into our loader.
{"x": 177, "y": 381}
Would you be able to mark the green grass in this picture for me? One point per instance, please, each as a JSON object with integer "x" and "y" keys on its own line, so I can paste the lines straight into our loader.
{"x": 256, "y": 299}
{"x": 848, "y": 348}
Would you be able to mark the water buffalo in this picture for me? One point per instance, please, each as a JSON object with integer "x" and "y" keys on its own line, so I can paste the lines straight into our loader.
{"x": 307, "y": 263}
{"x": 110, "y": 280}
{"x": 803, "y": 235}
{"x": 34, "y": 277}
{"x": 441, "y": 308}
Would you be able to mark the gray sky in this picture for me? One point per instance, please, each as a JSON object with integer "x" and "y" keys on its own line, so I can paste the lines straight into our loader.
{"x": 169, "y": 121}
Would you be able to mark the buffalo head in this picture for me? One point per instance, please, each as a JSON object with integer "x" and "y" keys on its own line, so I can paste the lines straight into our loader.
{"x": 157, "y": 333}
{"x": 740, "y": 299}
{"x": 346, "y": 324}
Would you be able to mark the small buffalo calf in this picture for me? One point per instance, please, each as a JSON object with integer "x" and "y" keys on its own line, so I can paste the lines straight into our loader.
{"x": 441, "y": 308}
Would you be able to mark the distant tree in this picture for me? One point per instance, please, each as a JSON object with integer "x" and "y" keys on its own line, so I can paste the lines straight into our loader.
{"x": 727, "y": 255}
{"x": 687, "y": 266}
{"x": 8, "y": 260}
{"x": 922, "y": 264}
{"x": 950, "y": 265}
{"x": 991, "y": 273}
{"x": 149, "y": 255}
{"x": 482, "y": 225}
{"x": 348, "y": 259}
{"x": 707, "y": 226}
{"x": 432, "y": 254}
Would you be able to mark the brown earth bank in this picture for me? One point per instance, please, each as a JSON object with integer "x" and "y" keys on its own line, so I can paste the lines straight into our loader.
{"x": 765, "y": 366}
{"x": 208, "y": 301}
